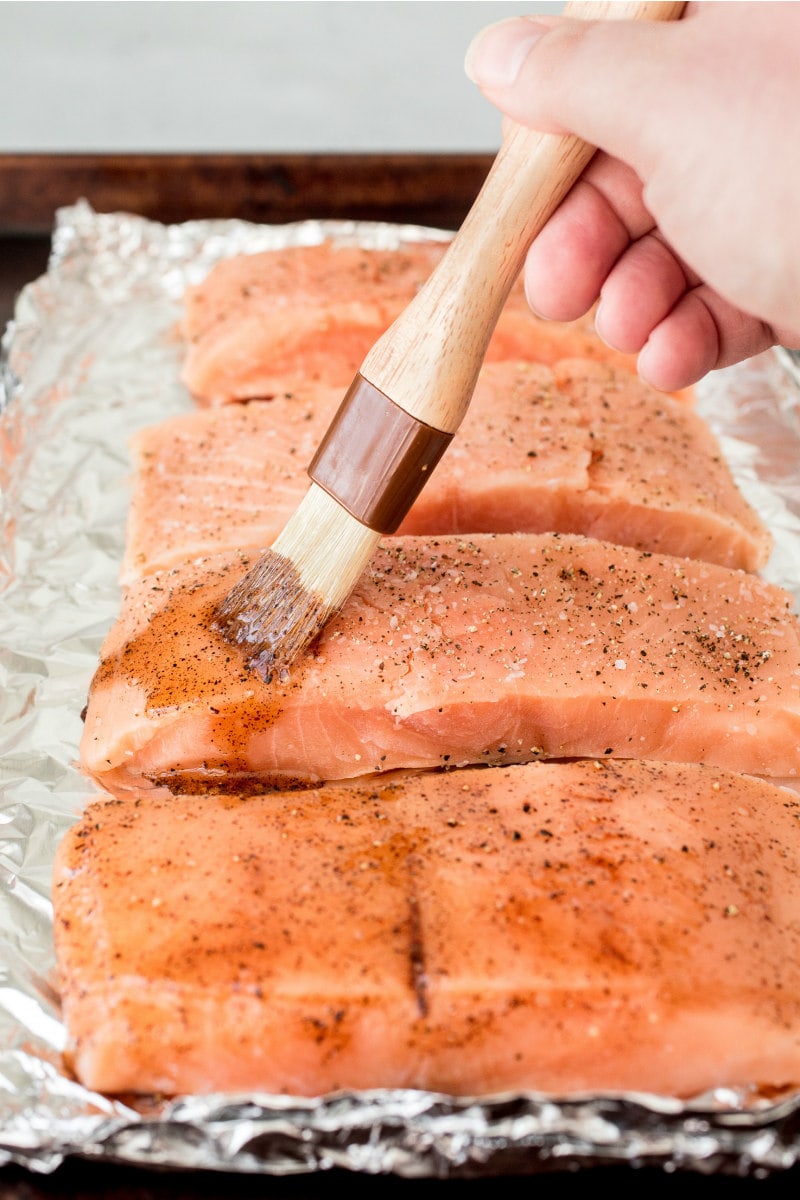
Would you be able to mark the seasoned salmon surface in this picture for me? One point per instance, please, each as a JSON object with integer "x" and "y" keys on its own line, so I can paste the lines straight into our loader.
{"x": 451, "y": 651}
{"x": 556, "y": 927}
{"x": 260, "y": 324}
{"x": 577, "y": 448}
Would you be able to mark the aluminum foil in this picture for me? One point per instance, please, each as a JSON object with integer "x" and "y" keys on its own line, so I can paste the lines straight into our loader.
{"x": 91, "y": 355}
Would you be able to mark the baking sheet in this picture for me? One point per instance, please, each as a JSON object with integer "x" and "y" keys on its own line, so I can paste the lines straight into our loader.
{"x": 91, "y": 356}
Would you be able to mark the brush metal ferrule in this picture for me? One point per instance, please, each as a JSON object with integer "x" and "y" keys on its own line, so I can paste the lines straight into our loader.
{"x": 375, "y": 458}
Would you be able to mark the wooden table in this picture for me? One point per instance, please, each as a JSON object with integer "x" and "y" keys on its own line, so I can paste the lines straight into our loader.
{"x": 416, "y": 188}
{"x": 421, "y": 189}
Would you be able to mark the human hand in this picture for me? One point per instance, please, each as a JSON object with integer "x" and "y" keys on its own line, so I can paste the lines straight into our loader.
{"x": 685, "y": 224}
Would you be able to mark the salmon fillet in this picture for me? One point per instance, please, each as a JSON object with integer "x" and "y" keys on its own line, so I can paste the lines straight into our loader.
{"x": 262, "y": 324}
{"x": 577, "y": 448}
{"x": 259, "y": 323}
{"x": 499, "y": 648}
{"x": 556, "y": 927}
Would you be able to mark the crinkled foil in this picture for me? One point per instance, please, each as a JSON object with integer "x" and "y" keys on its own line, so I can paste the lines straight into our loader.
{"x": 93, "y": 354}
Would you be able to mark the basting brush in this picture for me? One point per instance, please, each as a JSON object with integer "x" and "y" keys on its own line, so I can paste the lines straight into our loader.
{"x": 410, "y": 395}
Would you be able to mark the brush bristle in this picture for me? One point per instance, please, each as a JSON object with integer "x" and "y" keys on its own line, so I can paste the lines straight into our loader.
{"x": 286, "y": 597}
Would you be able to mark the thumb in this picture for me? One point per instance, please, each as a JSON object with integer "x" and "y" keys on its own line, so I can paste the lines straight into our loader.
{"x": 597, "y": 79}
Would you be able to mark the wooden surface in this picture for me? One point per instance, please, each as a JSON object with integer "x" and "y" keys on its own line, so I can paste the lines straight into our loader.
{"x": 436, "y": 190}
{"x": 418, "y": 188}
{"x": 21, "y": 260}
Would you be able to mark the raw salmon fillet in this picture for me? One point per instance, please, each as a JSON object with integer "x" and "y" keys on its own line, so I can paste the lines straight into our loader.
{"x": 262, "y": 324}
{"x": 577, "y": 448}
{"x": 558, "y": 927}
{"x": 497, "y": 648}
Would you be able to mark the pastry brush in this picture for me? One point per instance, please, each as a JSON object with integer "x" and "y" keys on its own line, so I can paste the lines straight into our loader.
{"x": 409, "y": 396}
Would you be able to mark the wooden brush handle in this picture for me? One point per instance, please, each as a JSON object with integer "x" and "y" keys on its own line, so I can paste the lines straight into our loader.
{"x": 428, "y": 361}
{"x": 415, "y": 384}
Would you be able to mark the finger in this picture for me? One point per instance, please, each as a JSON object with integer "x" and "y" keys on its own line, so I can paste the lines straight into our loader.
{"x": 562, "y": 75}
{"x": 571, "y": 257}
{"x": 702, "y": 333}
{"x": 622, "y": 189}
{"x": 641, "y": 290}
{"x": 573, "y": 254}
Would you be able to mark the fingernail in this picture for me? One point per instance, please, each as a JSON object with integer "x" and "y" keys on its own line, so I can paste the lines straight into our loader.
{"x": 495, "y": 55}
{"x": 531, "y": 301}
{"x": 643, "y": 368}
{"x": 599, "y": 323}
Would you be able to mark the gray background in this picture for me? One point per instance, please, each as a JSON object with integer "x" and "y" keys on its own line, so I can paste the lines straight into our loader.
{"x": 271, "y": 75}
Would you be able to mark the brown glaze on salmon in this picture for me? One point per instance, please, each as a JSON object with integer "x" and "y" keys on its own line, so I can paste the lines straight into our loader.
{"x": 453, "y": 651}
{"x": 577, "y": 448}
{"x": 555, "y": 927}
{"x": 262, "y": 324}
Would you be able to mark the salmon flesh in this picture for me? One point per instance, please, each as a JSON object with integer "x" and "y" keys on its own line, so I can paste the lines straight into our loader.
{"x": 556, "y": 927}
{"x": 498, "y": 829}
{"x": 451, "y": 651}
{"x": 261, "y": 323}
{"x": 577, "y": 448}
